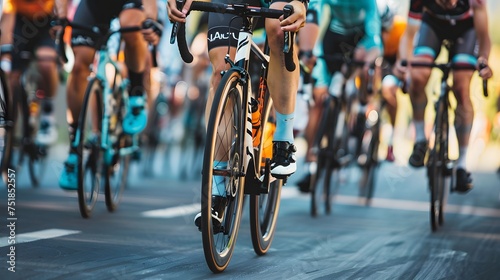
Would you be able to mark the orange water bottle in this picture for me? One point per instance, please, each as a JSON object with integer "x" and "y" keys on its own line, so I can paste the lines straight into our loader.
{"x": 256, "y": 131}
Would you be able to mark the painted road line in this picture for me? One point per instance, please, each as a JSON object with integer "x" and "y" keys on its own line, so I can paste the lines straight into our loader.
{"x": 37, "y": 235}
{"x": 172, "y": 212}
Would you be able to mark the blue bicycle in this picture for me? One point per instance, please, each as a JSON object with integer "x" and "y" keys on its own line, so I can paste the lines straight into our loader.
{"x": 102, "y": 147}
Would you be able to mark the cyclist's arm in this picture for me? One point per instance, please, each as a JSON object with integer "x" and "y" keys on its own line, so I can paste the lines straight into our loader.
{"x": 373, "y": 32}
{"x": 150, "y": 9}
{"x": 308, "y": 35}
{"x": 405, "y": 50}
{"x": 61, "y": 8}
{"x": 481, "y": 26}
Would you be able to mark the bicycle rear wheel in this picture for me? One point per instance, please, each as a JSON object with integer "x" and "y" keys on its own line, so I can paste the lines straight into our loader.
{"x": 89, "y": 147}
{"x": 264, "y": 208}
{"x": 223, "y": 157}
{"x": 436, "y": 167}
{"x": 6, "y": 127}
{"x": 116, "y": 162}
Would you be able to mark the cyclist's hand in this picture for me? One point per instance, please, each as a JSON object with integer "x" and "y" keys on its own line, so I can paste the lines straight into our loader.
{"x": 399, "y": 70}
{"x": 58, "y": 26}
{"x": 296, "y": 20}
{"x": 485, "y": 71}
{"x": 151, "y": 31}
{"x": 175, "y": 15}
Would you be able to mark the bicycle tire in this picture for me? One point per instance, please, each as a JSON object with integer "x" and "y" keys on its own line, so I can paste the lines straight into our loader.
{"x": 436, "y": 170}
{"x": 6, "y": 127}
{"x": 219, "y": 243}
{"x": 88, "y": 148}
{"x": 116, "y": 168}
{"x": 264, "y": 208}
{"x": 321, "y": 177}
{"x": 367, "y": 183}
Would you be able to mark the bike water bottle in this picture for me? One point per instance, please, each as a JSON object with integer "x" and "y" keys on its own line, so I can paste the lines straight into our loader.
{"x": 256, "y": 132}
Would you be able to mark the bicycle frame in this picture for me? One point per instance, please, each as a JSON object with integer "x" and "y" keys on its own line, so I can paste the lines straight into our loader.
{"x": 100, "y": 71}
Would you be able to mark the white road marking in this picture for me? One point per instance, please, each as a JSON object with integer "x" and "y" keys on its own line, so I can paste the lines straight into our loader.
{"x": 172, "y": 212}
{"x": 36, "y": 235}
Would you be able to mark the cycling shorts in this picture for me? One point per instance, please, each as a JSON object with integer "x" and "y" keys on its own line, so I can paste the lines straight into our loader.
{"x": 434, "y": 31}
{"x": 334, "y": 44}
{"x": 223, "y": 29}
{"x": 29, "y": 35}
{"x": 98, "y": 13}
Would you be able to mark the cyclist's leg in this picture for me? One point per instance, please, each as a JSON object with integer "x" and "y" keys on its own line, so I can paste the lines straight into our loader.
{"x": 426, "y": 50}
{"x": 136, "y": 54}
{"x": 464, "y": 112}
{"x": 83, "y": 44}
{"x": 48, "y": 83}
{"x": 389, "y": 88}
{"x": 219, "y": 38}
{"x": 283, "y": 87}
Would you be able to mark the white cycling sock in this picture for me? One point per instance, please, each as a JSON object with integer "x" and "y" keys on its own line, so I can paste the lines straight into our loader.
{"x": 419, "y": 131}
{"x": 219, "y": 182}
{"x": 462, "y": 156}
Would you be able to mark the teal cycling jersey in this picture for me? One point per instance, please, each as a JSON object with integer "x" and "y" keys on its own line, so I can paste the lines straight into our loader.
{"x": 350, "y": 16}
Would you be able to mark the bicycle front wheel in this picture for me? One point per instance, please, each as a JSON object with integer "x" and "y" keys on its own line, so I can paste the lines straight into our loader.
{"x": 223, "y": 162}
{"x": 89, "y": 148}
{"x": 118, "y": 155}
{"x": 436, "y": 167}
{"x": 371, "y": 163}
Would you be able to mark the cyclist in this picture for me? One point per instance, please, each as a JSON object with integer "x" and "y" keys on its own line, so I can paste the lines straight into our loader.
{"x": 354, "y": 31}
{"x": 465, "y": 23}
{"x": 393, "y": 27}
{"x": 26, "y": 35}
{"x": 282, "y": 83}
{"x": 100, "y": 13}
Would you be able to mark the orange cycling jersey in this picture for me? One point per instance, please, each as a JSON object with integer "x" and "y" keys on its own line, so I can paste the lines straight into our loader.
{"x": 391, "y": 39}
{"x": 29, "y": 8}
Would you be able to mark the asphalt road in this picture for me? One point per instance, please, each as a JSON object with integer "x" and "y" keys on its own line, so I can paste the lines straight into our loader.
{"x": 152, "y": 235}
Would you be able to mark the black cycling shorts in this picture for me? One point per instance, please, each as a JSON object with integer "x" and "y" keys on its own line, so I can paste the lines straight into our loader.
{"x": 29, "y": 35}
{"x": 223, "y": 29}
{"x": 462, "y": 34}
{"x": 98, "y": 13}
{"x": 338, "y": 44}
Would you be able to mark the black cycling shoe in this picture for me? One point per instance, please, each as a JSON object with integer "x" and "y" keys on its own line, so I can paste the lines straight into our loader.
{"x": 463, "y": 181}
{"x": 418, "y": 155}
{"x": 283, "y": 163}
{"x": 305, "y": 183}
{"x": 219, "y": 203}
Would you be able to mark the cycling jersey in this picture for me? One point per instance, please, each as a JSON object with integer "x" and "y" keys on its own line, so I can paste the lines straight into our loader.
{"x": 348, "y": 17}
{"x": 455, "y": 25}
{"x": 392, "y": 37}
{"x": 460, "y": 12}
{"x": 29, "y": 8}
{"x": 351, "y": 25}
